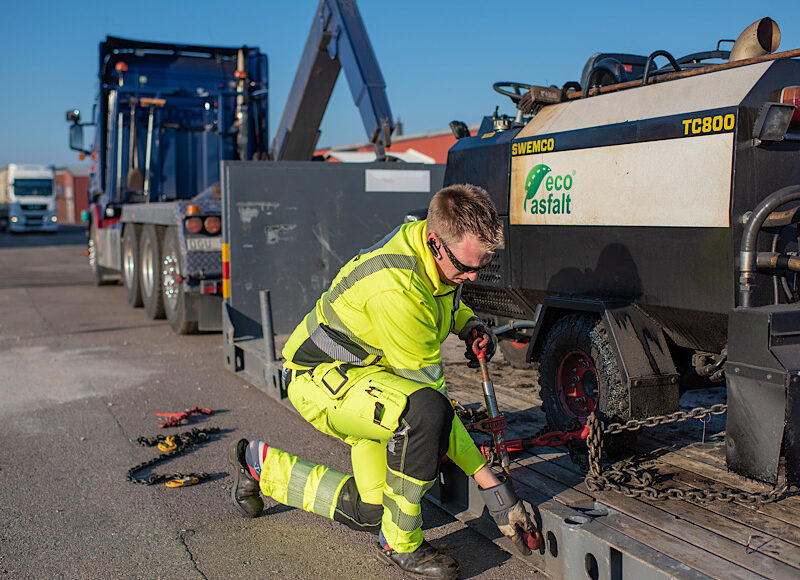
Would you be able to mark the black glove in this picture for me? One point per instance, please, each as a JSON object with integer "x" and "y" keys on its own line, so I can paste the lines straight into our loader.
{"x": 482, "y": 330}
{"x": 511, "y": 517}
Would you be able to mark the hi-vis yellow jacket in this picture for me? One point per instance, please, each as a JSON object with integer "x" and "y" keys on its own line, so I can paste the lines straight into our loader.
{"x": 386, "y": 307}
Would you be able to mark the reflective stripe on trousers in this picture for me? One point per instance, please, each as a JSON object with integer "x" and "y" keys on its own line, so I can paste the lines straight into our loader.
{"x": 301, "y": 484}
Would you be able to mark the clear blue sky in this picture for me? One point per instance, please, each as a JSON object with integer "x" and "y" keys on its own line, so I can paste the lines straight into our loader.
{"x": 439, "y": 58}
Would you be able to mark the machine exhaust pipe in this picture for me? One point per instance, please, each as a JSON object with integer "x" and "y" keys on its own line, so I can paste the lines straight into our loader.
{"x": 760, "y": 38}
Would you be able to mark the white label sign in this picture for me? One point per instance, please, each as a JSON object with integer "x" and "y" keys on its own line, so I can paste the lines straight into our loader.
{"x": 674, "y": 183}
{"x": 397, "y": 180}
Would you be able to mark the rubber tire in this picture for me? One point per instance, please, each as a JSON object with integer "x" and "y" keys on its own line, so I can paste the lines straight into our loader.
{"x": 174, "y": 309}
{"x": 514, "y": 354}
{"x": 130, "y": 265}
{"x": 588, "y": 334}
{"x": 150, "y": 270}
{"x": 101, "y": 276}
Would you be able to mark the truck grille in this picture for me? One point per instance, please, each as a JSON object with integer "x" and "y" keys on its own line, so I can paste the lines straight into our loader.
{"x": 492, "y": 300}
{"x": 34, "y": 207}
{"x": 493, "y": 273}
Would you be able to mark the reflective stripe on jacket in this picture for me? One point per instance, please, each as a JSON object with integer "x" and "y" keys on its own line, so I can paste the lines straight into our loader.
{"x": 388, "y": 307}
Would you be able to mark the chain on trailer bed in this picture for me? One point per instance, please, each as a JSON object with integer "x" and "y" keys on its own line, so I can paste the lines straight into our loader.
{"x": 609, "y": 527}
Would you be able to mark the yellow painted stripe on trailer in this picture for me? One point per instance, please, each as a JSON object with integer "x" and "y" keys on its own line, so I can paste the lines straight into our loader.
{"x": 226, "y": 270}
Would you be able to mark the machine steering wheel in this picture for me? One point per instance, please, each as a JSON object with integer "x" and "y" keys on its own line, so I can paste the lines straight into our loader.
{"x": 512, "y": 90}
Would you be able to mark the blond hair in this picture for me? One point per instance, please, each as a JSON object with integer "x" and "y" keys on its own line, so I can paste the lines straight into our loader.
{"x": 461, "y": 209}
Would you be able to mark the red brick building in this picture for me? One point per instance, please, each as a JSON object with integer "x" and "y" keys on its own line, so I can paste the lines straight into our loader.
{"x": 430, "y": 147}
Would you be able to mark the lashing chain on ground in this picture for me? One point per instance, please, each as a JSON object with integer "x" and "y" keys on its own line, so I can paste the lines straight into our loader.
{"x": 182, "y": 443}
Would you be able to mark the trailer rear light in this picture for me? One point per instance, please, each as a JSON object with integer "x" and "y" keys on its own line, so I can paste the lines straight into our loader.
{"x": 192, "y": 209}
{"x": 791, "y": 96}
{"x": 193, "y": 225}
{"x": 772, "y": 122}
{"x": 212, "y": 224}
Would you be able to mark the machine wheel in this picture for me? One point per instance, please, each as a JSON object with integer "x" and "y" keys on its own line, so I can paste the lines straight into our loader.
{"x": 515, "y": 352}
{"x": 130, "y": 263}
{"x": 577, "y": 365}
{"x": 150, "y": 270}
{"x": 100, "y": 275}
{"x": 172, "y": 286}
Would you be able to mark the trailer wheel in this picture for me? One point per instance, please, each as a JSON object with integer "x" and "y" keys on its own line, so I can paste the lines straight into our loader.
{"x": 515, "y": 351}
{"x": 100, "y": 275}
{"x": 577, "y": 365}
{"x": 130, "y": 263}
{"x": 173, "y": 291}
{"x": 150, "y": 270}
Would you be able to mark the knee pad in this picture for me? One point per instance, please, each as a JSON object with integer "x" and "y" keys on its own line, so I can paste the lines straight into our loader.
{"x": 354, "y": 513}
{"x": 423, "y": 436}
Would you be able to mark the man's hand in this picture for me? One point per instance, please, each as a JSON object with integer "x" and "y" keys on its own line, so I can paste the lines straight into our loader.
{"x": 476, "y": 329}
{"x": 511, "y": 517}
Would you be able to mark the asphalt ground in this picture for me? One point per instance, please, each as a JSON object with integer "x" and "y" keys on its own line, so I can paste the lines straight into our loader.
{"x": 81, "y": 374}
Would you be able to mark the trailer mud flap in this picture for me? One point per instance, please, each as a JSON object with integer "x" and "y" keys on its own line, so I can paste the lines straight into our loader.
{"x": 763, "y": 378}
{"x": 647, "y": 363}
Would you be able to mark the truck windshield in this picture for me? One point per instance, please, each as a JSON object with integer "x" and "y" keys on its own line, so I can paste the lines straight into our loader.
{"x": 33, "y": 187}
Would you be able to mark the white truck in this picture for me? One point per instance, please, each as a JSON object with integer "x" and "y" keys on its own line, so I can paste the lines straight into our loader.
{"x": 27, "y": 198}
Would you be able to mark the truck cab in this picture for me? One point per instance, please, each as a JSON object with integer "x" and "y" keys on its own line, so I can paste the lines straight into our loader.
{"x": 165, "y": 116}
{"x": 30, "y": 196}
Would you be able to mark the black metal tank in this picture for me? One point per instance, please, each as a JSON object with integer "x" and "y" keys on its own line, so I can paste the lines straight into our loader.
{"x": 638, "y": 195}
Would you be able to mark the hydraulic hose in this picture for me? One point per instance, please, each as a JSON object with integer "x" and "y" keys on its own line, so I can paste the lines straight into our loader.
{"x": 514, "y": 324}
{"x": 748, "y": 256}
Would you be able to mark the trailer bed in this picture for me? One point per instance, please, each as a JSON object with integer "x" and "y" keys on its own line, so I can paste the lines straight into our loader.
{"x": 610, "y": 535}
{"x": 607, "y": 535}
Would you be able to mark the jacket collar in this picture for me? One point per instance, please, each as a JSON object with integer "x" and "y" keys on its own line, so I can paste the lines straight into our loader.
{"x": 430, "y": 274}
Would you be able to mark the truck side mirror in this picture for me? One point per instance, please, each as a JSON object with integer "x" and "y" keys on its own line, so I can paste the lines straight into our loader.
{"x": 76, "y": 137}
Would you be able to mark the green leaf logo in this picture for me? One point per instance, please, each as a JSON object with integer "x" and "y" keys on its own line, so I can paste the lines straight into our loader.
{"x": 533, "y": 181}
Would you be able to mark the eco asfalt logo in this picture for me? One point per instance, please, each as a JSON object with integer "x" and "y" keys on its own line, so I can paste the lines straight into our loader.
{"x": 557, "y": 187}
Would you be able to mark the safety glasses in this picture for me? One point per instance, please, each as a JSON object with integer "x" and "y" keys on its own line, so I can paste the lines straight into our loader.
{"x": 464, "y": 269}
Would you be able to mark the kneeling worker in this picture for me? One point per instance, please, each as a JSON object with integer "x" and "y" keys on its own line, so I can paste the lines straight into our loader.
{"x": 365, "y": 366}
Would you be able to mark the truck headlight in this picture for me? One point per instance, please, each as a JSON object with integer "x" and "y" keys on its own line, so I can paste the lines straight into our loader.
{"x": 53, "y": 219}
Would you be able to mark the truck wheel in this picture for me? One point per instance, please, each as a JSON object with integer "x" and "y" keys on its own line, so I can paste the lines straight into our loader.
{"x": 515, "y": 352}
{"x": 150, "y": 270}
{"x": 577, "y": 364}
{"x": 100, "y": 275}
{"x": 171, "y": 279}
{"x": 130, "y": 263}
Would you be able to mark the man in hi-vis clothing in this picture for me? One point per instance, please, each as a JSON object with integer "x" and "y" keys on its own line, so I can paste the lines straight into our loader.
{"x": 365, "y": 366}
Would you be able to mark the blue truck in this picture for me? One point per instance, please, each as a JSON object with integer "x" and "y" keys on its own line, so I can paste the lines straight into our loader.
{"x": 165, "y": 116}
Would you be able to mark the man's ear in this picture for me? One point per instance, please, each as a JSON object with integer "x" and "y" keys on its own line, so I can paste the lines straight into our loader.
{"x": 434, "y": 249}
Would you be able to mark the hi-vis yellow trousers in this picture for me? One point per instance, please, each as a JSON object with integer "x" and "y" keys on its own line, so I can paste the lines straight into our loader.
{"x": 398, "y": 431}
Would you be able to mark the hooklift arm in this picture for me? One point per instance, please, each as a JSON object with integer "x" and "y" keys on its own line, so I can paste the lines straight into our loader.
{"x": 338, "y": 39}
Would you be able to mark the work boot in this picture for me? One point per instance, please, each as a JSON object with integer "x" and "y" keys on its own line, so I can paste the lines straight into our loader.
{"x": 245, "y": 489}
{"x": 424, "y": 562}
